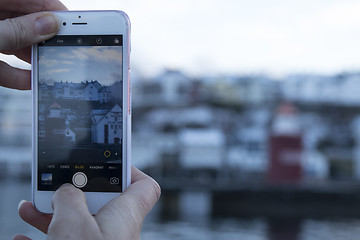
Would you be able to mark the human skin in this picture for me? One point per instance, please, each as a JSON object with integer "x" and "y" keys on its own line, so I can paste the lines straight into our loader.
{"x": 120, "y": 219}
{"x": 23, "y": 23}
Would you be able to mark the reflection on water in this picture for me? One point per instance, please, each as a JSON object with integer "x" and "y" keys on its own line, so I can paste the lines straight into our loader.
{"x": 12, "y": 191}
{"x": 254, "y": 229}
{"x": 284, "y": 229}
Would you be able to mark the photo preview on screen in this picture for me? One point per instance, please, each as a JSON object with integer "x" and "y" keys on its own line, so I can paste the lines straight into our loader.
{"x": 80, "y": 115}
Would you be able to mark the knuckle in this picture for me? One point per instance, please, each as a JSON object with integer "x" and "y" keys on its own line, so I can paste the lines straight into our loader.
{"x": 157, "y": 191}
{"x": 16, "y": 34}
{"x": 146, "y": 202}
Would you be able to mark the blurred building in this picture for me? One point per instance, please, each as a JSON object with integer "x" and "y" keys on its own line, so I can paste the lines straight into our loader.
{"x": 202, "y": 149}
{"x": 336, "y": 89}
{"x": 246, "y": 90}
{"x": 176, "y": 117}
{"x": 171, "y": 88}
{"x": 15, "y": 132}
{"x": 249, "y": 151}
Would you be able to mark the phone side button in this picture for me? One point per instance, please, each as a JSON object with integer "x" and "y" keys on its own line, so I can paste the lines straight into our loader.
{"x": 79, "y": 179}
{"x": 129, "y": 92}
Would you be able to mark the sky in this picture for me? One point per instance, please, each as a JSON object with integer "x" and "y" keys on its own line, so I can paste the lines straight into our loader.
{"x": 205, "y": 37}
{"x": 80, "y": 63}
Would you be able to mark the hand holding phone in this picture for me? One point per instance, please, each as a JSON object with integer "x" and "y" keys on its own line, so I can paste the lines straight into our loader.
{"x": 81, "y": 108}
{"x": 121, "y": 218}
{"x": 19, "y": 32}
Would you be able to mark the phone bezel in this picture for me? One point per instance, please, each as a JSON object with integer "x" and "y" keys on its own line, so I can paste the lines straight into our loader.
{"x": 97, "y": 23}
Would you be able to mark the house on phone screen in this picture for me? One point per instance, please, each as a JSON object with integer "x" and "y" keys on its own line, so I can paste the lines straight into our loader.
{"x": 70, "y": 135}
{"x": 46, "y": 92}
{"x": 107, "y": 126}
{"x": 104, "y": 94}
{"x": 88, "y": 91}
{"x": 56, "y": 127}
{"x": 91, "y": 91}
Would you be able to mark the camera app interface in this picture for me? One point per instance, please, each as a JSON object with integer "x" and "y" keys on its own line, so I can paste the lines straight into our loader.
{"x": 80, "y": 115}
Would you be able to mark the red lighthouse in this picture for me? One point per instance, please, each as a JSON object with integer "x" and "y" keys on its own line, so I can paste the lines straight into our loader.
{"x": 285, "y": 146}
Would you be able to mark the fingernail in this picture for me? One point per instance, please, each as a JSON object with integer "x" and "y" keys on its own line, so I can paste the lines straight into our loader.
{"x": 65, "y": 184}
{"x": 21, "y": 203}
{"x": 46, "y": 24}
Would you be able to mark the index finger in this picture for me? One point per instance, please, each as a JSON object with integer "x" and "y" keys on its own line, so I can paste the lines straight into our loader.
{"x": 32, "y": 216}
{"x": 29, "y": 6}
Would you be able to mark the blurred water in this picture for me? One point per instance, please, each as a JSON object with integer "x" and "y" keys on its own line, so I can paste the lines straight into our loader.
{"x": 13, "y": 191}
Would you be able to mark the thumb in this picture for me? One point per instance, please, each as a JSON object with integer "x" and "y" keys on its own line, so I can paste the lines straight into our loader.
{"x": 71, "y": 214}
{"x": 26, "y": 30}
{"x": 68, "y": 201}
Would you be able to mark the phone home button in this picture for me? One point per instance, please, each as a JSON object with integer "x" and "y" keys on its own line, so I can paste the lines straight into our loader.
{"x": 79, "y": 179}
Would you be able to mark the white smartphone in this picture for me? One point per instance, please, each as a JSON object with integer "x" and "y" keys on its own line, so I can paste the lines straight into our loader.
{"x": 82, "y": 108}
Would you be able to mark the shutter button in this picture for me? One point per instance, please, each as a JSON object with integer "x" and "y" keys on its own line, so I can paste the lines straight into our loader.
{"x": 79, "y": 179}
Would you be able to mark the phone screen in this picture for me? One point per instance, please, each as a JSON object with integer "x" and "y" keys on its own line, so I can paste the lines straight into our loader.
{"x": 80, "y": 114}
